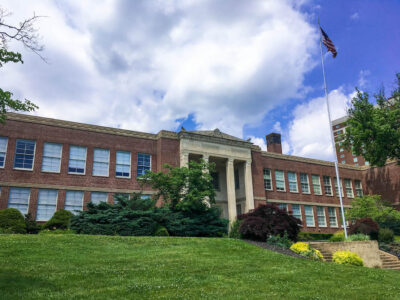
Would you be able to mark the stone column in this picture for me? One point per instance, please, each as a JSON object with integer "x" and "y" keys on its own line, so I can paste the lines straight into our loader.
{"x": 248, "y": 185}
{"x": 206, "y": 171}
{"x": 230, "y": 186}
{"x": 206, "y": 160}
{"x": 184, "y": 159}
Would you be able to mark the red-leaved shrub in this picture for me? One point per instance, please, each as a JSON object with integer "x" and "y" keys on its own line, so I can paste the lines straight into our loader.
{"x": 267, "y": 220}
{"x": 365, "y": 226}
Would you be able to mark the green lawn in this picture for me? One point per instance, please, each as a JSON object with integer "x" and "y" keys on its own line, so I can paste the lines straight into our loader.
{"x": 102, "y": 267}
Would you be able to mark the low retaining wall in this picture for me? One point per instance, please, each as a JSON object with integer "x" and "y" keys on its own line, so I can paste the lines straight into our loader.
{"x": 367, "y": 250}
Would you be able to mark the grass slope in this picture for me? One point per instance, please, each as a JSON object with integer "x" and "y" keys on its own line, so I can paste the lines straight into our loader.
{"x": 92, "y": 267}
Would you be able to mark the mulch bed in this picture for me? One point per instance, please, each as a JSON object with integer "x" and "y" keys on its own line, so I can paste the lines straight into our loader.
{"x": 275, "y": 248}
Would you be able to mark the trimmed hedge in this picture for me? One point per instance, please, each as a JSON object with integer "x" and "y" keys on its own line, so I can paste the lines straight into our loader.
{"x": 12, "y": 221}
{"x": 60, "y": 220}
{"x": 309, "y": 236}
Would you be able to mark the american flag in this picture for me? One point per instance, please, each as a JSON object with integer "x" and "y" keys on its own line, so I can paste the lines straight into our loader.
{"x": 328, "y": 43}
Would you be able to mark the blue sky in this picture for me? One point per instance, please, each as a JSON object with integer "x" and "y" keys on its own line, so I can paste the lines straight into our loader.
{"x": 247, "y": 67}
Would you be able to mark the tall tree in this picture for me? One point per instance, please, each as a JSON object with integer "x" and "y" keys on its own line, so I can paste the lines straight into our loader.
{"x": 25, "y": 33}
{"x": 374, "y": 131}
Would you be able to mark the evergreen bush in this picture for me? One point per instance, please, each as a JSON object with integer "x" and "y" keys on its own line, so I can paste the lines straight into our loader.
{"x": 311, "y": 236}
{"x": 358, "y": 237}
{"x": 267, "y": 220}
{"x": 161, "y": 231}
{"x": 31, "y": 226}
{"x": 60, "y": 220}
{"x": 338, "y": 236}
{"x": 234, "y": 232}
{"x": 12, "y": 221}
{"x": 281, "y": 241}
{"x": 385, "y": 235}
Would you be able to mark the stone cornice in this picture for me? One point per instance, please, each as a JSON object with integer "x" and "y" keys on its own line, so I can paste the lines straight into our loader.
{"x": 88, "y": 127}
{"x": 213, "y": 139}
{"x": 311, "y": 161}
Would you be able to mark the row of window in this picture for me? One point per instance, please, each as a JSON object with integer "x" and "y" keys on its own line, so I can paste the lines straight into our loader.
{"x": 305, "y": 185}
{"x": 52, "y": 153}
{"x": 47, "y": 201}
{"x": 309, "y": 214}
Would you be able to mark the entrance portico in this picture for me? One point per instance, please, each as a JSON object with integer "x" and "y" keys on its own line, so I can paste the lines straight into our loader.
{"x": 232, "y": 157}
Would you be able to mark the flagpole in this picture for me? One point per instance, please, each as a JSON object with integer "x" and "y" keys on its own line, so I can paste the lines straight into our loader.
{"x": 332, "y": 138}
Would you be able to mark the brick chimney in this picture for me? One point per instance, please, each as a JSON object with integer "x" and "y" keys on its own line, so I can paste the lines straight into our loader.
{"x": 274, "y": 143}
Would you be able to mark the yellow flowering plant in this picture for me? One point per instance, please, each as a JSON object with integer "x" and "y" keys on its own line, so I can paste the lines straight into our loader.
{"x": 304, "y": 249}
{"x": 347, "y": 258}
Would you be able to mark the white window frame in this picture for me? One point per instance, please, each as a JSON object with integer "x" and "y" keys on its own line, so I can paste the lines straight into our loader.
{"x": 355, "y": 159}
{"x": 37, "y": 205}
{"x": 358, "y": 188}
{"x": 283, "y": 179}
{"x": 59, "y": 165}
{"x": 108, "y": 163}
{"x": 34, "y": 155}
{"x": 308, "y": 184}
{"x": 335, "y": 181}
{"x": 150, "y": 168}
{"x": 319, "y": 184}
{"x": 346, "y": 180}
{"x": 266, "y": 178}
{"x": 130, "y": 164}
{"x": 5, "y": 151}
{"x": 293, "y": 182}
{"x": 330, "y": 185}
{"x": 321, "y": 209}
{"x": 301, "y": 217}
{"x": 69, "y": 160}
{"x": 83, "y": 197}
{"x": 96, "y": 192}
{"x": 29, "y": 198}
{"x": 312, "y": 214}
{"x": 283, "y": 206}
{"x": 334, "y": 216}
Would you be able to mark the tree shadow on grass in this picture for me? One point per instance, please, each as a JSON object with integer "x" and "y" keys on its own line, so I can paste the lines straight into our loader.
{"x": 16, "y": 285}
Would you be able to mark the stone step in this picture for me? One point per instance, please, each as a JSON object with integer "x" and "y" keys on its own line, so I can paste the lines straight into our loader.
{"x": 391, "y": 265}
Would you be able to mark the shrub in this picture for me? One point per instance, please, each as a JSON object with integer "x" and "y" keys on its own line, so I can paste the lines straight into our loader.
{"x": 365, "y": 226}
{"x": 161, "y": 231}
{"x": 234, "y": 232}
{"x": 358, "y": 237}
{"x": 305, "y": 250}
{"x": 12, "y": 221}
{"x": 267, "y": 220}
{"x": 347, "y": 258}
{"x": 385, "y": 235}
{"x": 31, "y": 226}
{"x": 57, "y": 231}
{"x": 309, "y": 236}
{"x": 281, "y": 241}
{"x": 60, "y": 220}
{"x": 338, "y": 236}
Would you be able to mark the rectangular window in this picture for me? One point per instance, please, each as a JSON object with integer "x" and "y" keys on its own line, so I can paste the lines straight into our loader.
{"x": 3, "y": 150}
{"x": 367, "y": 163}
{"x": 332, "y": 217}
{"x": 123, "y": 164}
{"x": 342, "y": 156}
{"x": 101, "y": 161}
{"x": 77, "y": 160}
{"x": 321, "y": 216}
{"x": 19, "y": 199}
{"x": 283, "y": 206}
{"x": 296, "y": 209}
{"x": 343, "y": 162}
{"x": 24, "y": 154}
{"x": 280, "y": 180}
{"x": 267, "y": 180}
{"x": 292, "y": 182}
{"x": 47, "y": 204}
{"x": 73, "y": 201}
{"x": 215, "y": 178}
{"x": 143, "y": 164}
{"x": 355, "y": 159}
{"x": 237, "y": 182}
{"x": 97, "y": 197}
{"x": 337, "y": 189}
{"x": 51, "y": 157}
{"x": 341, "y": 150}
{"x": 349, "y": 188}
{"x": 327, "y": 185}
{"x": 316, "y": 182}
{"x": 358, "y": 185}
{"x": 308, "y": 211}
{"x": 305, "y": 187}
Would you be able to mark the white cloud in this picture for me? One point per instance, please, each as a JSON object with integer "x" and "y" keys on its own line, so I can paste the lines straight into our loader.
{"x": 362, "y": 78}
{"x": 309, "y": 132}
{"x": 259, "y": 142}
{"x": 355, "y": 16}
{"x": 277, "y": 127}
{"x": 142, "y": 65}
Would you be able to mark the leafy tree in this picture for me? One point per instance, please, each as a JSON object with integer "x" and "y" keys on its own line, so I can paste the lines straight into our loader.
{"x": 27, "y": 35}
{"x": 183, "y": 188}
{"x": 374, "y": 132}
